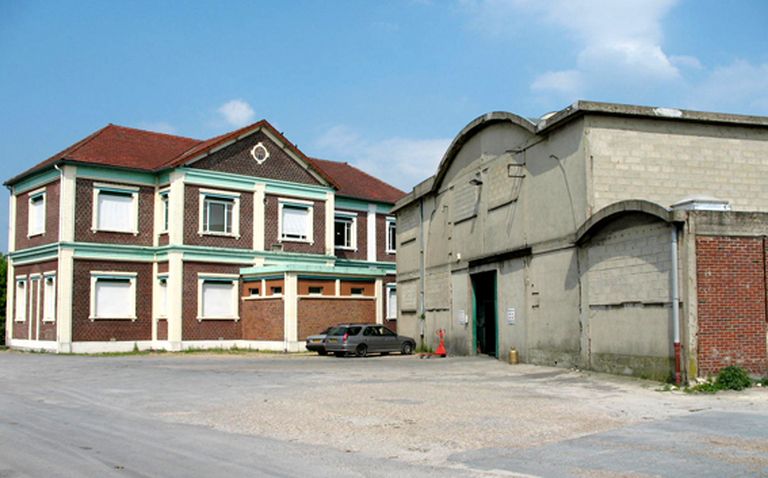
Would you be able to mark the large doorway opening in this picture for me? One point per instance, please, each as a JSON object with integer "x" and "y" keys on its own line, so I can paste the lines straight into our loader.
{"x": 484, "y": 298}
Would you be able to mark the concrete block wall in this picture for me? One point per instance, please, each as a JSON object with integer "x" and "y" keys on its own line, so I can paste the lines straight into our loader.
{"x": 666, "y": 164}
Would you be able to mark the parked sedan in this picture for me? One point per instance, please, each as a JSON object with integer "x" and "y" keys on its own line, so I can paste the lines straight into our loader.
{"x": 362, "y": 339}
{"x": 316, "y": 343}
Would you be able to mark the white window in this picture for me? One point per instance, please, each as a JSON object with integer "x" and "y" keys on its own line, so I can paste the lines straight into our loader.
{"x": 49, "y": 298}
{"x": 391, "y": 235}
{"x": 295, "y": 221}
{"x": 162, "y": 297}
{"x": 165, "y": 210}
{"x": 115, "y": 208}
{"x": 219, "y": 213}
{"x": 391, "y": 302}
{"x": 217, "y": 297}
{"x": 113, "y": 295}
{"x": 21, "y": 300}
{"x": 345, "y": 231}
{"x": 36, "y": 215}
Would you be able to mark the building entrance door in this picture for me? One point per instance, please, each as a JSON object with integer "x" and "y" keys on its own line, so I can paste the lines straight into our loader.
{"x": 484, "y": 301}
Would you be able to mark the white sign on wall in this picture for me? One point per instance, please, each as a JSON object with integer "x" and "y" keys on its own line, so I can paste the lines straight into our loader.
{"x": 461, "y": 317}
{"x": 511, "y": 316}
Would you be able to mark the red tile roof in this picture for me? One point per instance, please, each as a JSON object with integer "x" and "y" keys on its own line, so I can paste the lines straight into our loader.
{"x": 122, "y": 147}
{"x": 355, "y": 183}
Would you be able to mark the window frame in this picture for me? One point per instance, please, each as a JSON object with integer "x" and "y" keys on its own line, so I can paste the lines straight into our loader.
{"x": 165, "y": 211}
{"x": 130, "y": 277}
{"x": 32, "y": 197}
{"x": 349, "y": 218}
{"x": 24, "y": 282}
{"x": 49, "y": 276}
{"x": 233, "y": 280}
{"x": 391, "y": 240}
{"x": 296, "y": 204}
{"x": 115, "y": 190}
{"x": 391, "y": 289}
{"x": 221, "y": 197}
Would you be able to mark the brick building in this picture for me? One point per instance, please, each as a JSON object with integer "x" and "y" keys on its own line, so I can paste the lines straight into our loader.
{"x": 618, "y": 238}
{"x": 133, "y": 238}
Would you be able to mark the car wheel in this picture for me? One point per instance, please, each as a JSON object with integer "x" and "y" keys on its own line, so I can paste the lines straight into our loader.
{"x": 322, "y": 352}
{"x": 361, "y": 350}
{"x": 407, "y": 349}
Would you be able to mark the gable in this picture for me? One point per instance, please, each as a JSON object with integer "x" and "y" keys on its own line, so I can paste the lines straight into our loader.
{"x": 236, "y": 158}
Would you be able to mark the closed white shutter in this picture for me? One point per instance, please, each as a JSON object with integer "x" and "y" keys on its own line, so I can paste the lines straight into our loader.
{"x": 115, "y": 212}
{"x": 37, "y": 215}
{"x": 392, "y": 303}
{"x": 114, "y": 299}
{"x": 295, "y": 222}
{"x": 218, "y": 299}
{"x": 49, "y": 293}
{"x": 162, "y": 302}
{"x": 21, "y": 301}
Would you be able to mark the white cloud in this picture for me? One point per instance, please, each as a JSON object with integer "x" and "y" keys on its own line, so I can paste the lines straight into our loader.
{"x": 686, "y": 61}
{"x": 740, "y": 87}
{"x": 237, "y": 113}
{"x": 616, "y": 40}
{"x": 402, "y": 162}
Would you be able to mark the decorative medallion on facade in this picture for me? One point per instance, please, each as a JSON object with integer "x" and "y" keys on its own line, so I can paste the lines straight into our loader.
{"x": 260, "y": 153}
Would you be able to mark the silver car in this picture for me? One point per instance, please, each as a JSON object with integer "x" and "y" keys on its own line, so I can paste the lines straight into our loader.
{"x": 316, "y": 343}
{"x": 362, "y": 339}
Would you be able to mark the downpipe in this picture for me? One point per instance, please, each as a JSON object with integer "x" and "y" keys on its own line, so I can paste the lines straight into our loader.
{"x": 675, "y": 306}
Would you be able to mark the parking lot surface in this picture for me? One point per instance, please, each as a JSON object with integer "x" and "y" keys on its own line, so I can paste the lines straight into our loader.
{"x": 304, "y": 415}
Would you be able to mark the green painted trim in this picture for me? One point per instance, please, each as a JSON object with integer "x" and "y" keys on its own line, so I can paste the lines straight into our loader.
{"x": 345, "y": 279}
{"x": 217, "y": 179}
{"x": 35, "y": 181}
{"x": 115, "y": 174}
{"x": 311, "y": 268}
{"x": 83, "y": 250}
{"x": 34, "y": 254}
{"x": 259, "y": 279}
{"x": 164, "y": 178}
{"x": 388, "y": 266}
{"x": 362, "y": 205}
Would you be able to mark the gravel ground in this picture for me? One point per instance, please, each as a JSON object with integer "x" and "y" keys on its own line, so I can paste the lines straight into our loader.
{"x": 464, "y": 416}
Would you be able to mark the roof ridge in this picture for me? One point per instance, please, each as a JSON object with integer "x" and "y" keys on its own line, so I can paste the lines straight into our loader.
{"x": 158, "y": 133}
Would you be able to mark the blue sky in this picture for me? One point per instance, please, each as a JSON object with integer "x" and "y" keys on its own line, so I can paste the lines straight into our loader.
{"x": 382, "y": 85}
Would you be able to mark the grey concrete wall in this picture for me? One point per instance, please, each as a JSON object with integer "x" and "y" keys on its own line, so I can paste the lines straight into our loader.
{"x": 666, "y": 161}
{"x": 627, "y": 279}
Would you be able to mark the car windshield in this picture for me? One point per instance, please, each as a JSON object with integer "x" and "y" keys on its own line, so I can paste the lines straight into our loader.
{"x": 335, "y": 331}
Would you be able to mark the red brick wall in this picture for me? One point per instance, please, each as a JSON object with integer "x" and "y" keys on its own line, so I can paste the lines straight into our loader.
{"x": 731, "y": 274}
{"x": 274, "y": 283}
{"x": 51, "y": 233}
{"x": 317, "y": 314}
{"x": 362, "y": 240}
{"x": 84, "y": 217}
{"x": 381, "y": 240}
{"x": 85, "y": 329}
{"x": 329, "y": 286}
{"x": 271, "y": 211}
{"x": 162, "y": 267}
{"x": 237, "y": 159}
{"x": 192, "y": 222}
{"x": 21, "y": 329}
{"x": 368, "y": 287}
{"x": 193, "y": 329}
{"x": 162, "y": 329}
{"x": 263, "y": 319}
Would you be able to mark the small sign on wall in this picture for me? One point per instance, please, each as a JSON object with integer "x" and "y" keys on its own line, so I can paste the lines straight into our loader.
{"x": 461, "y": 317}
{"x": 511, "y": 316}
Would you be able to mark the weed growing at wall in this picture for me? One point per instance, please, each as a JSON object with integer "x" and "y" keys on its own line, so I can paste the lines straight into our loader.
{"x": 729, "y": 378}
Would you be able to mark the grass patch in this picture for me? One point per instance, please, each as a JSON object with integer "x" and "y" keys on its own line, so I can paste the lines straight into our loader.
{"x": 729, "y": 378}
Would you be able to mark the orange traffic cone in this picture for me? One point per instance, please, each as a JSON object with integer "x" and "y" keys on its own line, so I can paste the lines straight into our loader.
{"x": 441, "y": 348}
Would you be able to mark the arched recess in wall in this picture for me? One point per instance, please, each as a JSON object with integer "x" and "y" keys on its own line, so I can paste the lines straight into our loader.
{"x": 625, "y": 252}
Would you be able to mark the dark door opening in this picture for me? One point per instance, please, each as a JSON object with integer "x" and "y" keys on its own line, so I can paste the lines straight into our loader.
{"x": 484, "y": 294}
